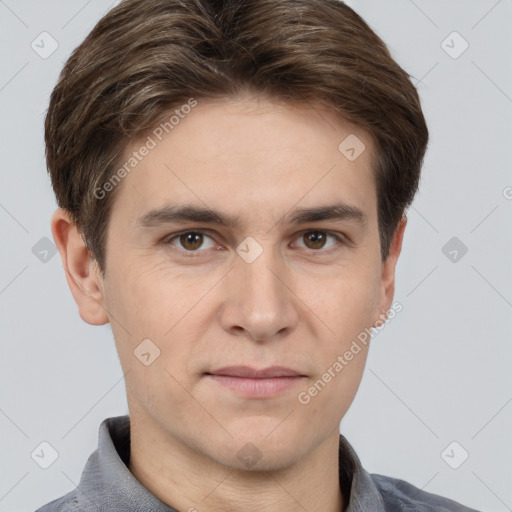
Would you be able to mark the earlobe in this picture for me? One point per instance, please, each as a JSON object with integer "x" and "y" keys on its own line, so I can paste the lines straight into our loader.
{"x": 82, "y": 272}
{"x": 387, "y": 281}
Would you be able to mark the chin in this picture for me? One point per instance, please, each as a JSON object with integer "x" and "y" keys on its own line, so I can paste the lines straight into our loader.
{"x": 262, "y": 444}
{"x": 263, "y": 457}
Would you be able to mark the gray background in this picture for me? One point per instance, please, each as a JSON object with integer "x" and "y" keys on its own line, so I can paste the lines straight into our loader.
{"x": 438, "y": 373}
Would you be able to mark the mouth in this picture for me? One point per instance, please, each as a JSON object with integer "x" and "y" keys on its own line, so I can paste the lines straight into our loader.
{"x": 252, "y": 383}
{"x": 251, "y": 373}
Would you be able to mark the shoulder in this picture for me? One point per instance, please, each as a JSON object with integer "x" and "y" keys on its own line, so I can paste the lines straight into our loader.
{"x": 399, "y": 495}
{"x": 67, "y": 503}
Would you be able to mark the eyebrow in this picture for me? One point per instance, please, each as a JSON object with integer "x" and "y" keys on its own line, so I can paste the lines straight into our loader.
{"x": 181, "y": 213}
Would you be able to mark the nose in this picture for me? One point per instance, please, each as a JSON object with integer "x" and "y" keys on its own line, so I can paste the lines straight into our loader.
{"x": 259, "y": 302}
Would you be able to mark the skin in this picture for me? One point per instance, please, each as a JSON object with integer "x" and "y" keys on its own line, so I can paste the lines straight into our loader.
{"x": 297, "y": 305}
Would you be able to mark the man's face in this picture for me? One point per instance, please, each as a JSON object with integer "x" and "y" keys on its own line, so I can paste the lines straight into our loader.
{"x": 266, "y": 292}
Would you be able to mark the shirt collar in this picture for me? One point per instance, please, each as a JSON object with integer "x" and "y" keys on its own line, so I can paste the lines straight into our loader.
{"x": 108, "y": 484}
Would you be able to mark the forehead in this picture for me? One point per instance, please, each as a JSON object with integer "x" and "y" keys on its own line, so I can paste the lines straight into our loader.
{"x": 249, "y": 155}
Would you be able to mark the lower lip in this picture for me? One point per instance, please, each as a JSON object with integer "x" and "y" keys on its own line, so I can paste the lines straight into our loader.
{"x": 257, "y": 388}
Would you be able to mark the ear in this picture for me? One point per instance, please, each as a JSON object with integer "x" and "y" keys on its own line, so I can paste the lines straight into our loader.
{"x": 387, "y": 281}
{"x": 82, "y": 271}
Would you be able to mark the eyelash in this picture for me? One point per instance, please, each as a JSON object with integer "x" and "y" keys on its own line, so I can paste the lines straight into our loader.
{"x": 194, "y": 254}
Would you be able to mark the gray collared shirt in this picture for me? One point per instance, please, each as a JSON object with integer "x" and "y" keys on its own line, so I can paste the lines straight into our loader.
{"x": 106, "y": 484}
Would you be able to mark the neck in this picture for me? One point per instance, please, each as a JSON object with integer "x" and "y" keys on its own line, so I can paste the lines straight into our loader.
{"x": 190, "y": 481}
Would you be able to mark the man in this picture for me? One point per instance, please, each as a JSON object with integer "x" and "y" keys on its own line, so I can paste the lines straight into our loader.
{"x": 232, "y": 180}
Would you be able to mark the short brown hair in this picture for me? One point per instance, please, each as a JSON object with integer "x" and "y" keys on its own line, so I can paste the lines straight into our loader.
{"x": 146, "y": 57}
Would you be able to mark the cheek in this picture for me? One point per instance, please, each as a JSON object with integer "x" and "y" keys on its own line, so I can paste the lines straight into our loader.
{"x": 135, "y": 310}
{"x": 348, "y": 308}
{"x": 152, "y": 311}
{"x": 329, "y": 394}
{"x": 343, "y": 304}
{"x": 148, "y": 298}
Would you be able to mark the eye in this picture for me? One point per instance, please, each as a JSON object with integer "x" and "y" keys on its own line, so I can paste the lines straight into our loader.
{"x": 316, "y": 240}
{"x": 190, "y": 241}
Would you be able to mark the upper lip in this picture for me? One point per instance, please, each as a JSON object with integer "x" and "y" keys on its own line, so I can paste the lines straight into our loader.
{"x": 248, "y": 372}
